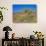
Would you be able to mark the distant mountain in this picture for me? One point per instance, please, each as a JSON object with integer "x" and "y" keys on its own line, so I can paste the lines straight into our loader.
{"x": 25, "y": 13}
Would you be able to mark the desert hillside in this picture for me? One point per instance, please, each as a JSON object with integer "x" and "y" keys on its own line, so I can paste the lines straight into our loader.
{"x": 25, "y": 16}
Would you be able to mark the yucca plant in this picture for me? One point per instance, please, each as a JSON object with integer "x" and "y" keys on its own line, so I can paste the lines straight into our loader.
{"x": 1, "y": 15}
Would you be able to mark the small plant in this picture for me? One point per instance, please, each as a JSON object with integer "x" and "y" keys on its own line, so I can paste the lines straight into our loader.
{"x": 39, "y": 34}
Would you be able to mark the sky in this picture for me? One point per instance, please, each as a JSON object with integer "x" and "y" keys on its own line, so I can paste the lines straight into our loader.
{"x": 20, "y": 7}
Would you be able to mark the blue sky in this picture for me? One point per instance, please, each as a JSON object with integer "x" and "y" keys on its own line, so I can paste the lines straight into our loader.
{"x": 20, "y": 7}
